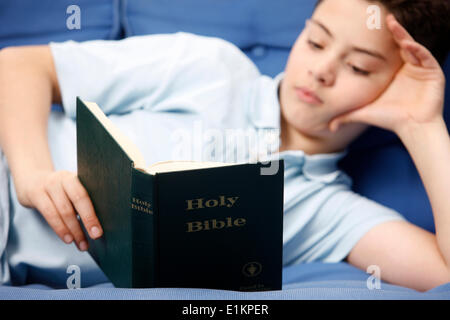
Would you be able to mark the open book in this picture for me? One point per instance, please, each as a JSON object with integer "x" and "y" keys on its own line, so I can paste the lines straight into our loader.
{"x": 134, "y": 154}
{"x": 178, "y": 223}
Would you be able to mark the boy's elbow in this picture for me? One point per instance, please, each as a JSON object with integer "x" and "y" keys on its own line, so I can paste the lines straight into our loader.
{"x": 36, "y": 60}
{"x": 38, "y": 55}
{"x": 6, "y": 51}
{"x": 447, "y": 280}
{"x": 440, "y": 279}
{"x": 12, "y": 56}
{"x": 20, "y": 61}
{"x": 6, "y": 55}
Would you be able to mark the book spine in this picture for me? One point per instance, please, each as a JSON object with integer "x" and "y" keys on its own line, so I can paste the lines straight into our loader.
{"x": 144, "y": 229}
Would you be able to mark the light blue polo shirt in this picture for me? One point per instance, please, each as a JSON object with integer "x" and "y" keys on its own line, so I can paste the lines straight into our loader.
{"x": 162, "y": 90}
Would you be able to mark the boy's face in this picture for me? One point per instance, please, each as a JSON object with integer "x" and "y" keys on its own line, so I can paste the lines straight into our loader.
{"x": 337, "y": 65}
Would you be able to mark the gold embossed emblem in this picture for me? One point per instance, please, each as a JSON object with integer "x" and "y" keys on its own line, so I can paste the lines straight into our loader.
{"x": 252, "y": 269}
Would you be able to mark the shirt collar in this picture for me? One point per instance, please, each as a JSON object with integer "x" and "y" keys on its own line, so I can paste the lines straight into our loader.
{"x": 319, "y": 167}
{"x": 265, "y": 114}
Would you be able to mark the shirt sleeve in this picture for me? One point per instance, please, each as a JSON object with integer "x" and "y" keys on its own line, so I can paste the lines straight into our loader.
{"x": 340, "y": 222}
{"x": 141, "y": 71}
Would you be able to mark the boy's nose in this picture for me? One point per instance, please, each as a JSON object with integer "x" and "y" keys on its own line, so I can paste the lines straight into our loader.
{"x": 325, "y": 78}
{"x": 324, "y": 73}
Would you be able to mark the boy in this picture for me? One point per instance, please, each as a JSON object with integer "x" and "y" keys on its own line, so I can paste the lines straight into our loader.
{"x": 340, "y": 78}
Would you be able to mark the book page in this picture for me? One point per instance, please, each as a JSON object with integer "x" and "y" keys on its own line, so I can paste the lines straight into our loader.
{"x": 170, "y": 166}
{"x": 125, "y": 143}
{"x": 136, "y": 156}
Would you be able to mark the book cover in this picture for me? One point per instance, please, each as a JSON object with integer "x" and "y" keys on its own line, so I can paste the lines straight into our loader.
{"x": 176, "y": 224}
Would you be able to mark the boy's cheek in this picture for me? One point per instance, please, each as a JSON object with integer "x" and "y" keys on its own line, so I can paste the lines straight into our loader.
{"x": 299, "y": 60}
{"x": 356, "y": 94}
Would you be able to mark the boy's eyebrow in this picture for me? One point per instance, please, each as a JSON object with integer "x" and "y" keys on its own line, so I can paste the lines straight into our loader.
{"x": 357, "y": 49}
{"x": 323, "y": 27}
{"x": 369, "y": 52}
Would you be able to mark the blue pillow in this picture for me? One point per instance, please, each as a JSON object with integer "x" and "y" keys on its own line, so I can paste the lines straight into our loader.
{"x": 265, "y": 30}
{"x": 26, "y": 22}
{"x": 31, "y": 22}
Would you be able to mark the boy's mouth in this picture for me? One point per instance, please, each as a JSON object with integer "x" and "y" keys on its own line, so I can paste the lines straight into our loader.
{"x": 307, "y": 96}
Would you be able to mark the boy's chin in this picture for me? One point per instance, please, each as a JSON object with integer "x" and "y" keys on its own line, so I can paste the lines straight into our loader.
{"x": 319, "y": 131}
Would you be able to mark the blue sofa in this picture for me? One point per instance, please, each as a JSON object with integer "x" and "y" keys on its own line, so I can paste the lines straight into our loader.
{"x": 265, "y": 30}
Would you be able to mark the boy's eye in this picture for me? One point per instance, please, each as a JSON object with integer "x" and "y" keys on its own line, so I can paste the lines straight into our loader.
{"x": 360, "y": 71}
{"x": 315, "y": 45}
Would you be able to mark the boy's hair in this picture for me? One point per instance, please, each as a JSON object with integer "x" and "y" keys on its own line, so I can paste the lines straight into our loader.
{"x": 428, "y": 22}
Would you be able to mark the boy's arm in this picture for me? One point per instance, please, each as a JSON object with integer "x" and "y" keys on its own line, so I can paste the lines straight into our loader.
{"x": 406, "y": 254}
{"x": 412, "y": 107}
{"x": 28, "y": 86}
{"x": 429, "y": 146}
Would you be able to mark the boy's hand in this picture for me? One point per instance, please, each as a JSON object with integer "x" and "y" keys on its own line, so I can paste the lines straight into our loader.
{"x": 415, "y": 96}
{"x": 58, "y": 195}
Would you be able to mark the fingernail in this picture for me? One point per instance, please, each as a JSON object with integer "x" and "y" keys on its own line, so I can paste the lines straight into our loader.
{"x": 95, "y": 231}
{"x": 68, "y": 238}
{"x": 83, "y": 246}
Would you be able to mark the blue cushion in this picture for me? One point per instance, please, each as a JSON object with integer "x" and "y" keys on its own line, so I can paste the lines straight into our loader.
{"x": 264, "y": 30}
{"x": 302, "y": 281}
{"x": 30, "y": 22}
{"x": 38, "y": 22}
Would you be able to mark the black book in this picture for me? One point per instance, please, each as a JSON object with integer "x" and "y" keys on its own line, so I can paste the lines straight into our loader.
{"x": 179, "y": 223}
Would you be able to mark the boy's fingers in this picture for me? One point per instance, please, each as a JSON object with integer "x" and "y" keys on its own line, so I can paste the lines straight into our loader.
{"x": 67, "y": 213}
{"x": 83, "y": 205}
{"x": 402, "y": 37}
{"x": 398, "y": 31}
{"x": 421, "y": 53}
{"x": 336, "y": 123}
{"x": 45, "y": 206}
{"x": 413, "y": 52}
{"x": 363, "y": 115}
{"x": 408, "y": 56}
